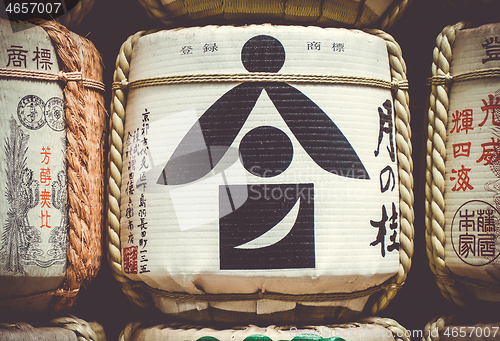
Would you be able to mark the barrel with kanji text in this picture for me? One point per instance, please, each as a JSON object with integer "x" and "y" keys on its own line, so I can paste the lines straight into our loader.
{"x": 260, "y": 172}
{"x": 52, "y": 133}
{"x": 368, "y": 329}
{"x": 345, "y": 13}
{"x": 462, "y": 206}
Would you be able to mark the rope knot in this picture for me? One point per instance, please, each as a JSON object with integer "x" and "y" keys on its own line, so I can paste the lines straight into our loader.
{"x": 62, "y": 76}
{"x": 394, "y": 84}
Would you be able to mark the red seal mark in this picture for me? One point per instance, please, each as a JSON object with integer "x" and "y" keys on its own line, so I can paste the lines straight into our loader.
{"x": 130, "y": 260}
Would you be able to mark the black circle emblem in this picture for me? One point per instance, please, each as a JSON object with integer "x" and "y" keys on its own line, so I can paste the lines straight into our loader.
{"x": 266, "y": 151}
{"x": 263, "y": 54}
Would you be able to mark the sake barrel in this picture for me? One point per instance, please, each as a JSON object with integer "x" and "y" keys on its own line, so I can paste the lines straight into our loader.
{"x": 258, "y": 173}
{"x": 352, "y": 13}
{"x": 462, "y": 199}
{"x": 52, "y": 132}
{"x": 67, "y": 328}
{"x": 459, "y": 328}
{"x": 371, "y": 328}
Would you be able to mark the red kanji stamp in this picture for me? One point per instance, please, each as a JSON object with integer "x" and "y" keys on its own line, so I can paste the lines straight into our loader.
{"x": 130, "y": 260}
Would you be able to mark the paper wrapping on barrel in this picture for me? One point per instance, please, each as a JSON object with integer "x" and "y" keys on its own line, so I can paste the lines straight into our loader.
{"x": 354, "y": 332}
{"x": 240, "y": 187}
{"x": 472, "y": 192}
{"x": 33, "y": 209}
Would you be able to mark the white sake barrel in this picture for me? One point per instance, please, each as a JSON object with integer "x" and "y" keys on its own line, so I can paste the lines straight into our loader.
{"x": 463, "y": 201}
{"x": 39, "y": 205}
{"x": 367, "y": 329}
{"x": 344, "y": 13}
{"x": 260, "y": 171}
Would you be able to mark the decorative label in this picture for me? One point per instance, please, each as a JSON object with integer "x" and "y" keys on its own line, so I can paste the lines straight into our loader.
{"x": 472, "y": 195}
{"x": 270, "y": 178}
{"x": 34, "y": 202}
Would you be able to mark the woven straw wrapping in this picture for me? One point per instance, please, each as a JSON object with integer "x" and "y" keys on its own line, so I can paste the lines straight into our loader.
{"x": 451, "y": 285}
{"x": 77, "y": 13}
{"x": 328, "y": 13}
{"x": 85, "y": 118}
{"x": 449, "y": 328}
{"x": 380, "y": 296}
{"x": 139, "y": 330}
{"x": 61, "y": 328}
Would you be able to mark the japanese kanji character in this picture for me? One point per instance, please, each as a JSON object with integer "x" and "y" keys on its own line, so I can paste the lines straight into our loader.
{"x": 17, "y": 56}
{"x": 462, "y": 120}
{"x": 492, "y": 46}
{"x": 46, "y": 155}
{"x": 386, "y": 127}
{"x": 463, "y": 179}
{"x": 492, "y": 106}
{"x": 467, "y": 244}
{"x": 491, "y": 152}
{"x": 42, "y": 58}
{"x": 461, "y": 149}
{"x": 45, "y": 198}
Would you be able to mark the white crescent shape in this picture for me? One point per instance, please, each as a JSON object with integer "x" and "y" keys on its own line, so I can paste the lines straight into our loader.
{"x": 275, "y": 234}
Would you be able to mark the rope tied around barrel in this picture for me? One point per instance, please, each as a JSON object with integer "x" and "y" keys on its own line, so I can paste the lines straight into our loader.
{"x": 65, "y": 77}
{"x": 447, "y": 79}
{"x": 394, "y": 84}
{"x": 261, "y": 295}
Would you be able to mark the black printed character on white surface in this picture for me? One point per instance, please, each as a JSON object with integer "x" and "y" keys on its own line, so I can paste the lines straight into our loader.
{"x": 264, "y": 152}
{"x": 20, "y": 240}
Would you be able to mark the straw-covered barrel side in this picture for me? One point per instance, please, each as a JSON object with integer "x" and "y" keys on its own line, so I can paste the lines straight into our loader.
{"x": 345, "y": 13}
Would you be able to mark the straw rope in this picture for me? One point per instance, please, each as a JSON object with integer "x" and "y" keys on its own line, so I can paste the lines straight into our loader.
{"x": 262, "y": 77}
{"x": 75, "y": 16}
{"x": 405, "y": 168}
{"x": 47, "y": 76}
{"x": 83, "y": 330}
{"x": 84, "y": 242}
{"x": 435, "y": 164}
{"x": 117, "y": 119}
{"x": 157, "y": 10}
{"x": 432, "y": 329}
{"x": 399, "y": 332}
{"x": 24, "y": 299}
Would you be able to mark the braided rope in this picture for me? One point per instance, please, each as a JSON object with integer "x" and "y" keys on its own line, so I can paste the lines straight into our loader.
{"x": 156, "y": 10}
{"x": 405, "y": 168}
{"x": 435, "y": 164}
{"x": 117, "y": 119}
{"x": 47, "y": 76}
{"x": 399, "y": 332}
{"x": 84, "y": 244}
{"x": 82, "y": 329}
{"x": 261, "y": 77}
{"x": 431, "y": 330}
{"x": 389, "y": 18}
{"x": 75, "y": 16}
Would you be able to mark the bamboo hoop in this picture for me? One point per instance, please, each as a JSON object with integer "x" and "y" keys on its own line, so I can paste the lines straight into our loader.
{"x": 380, "y": 295}
{"x": 157, "y": 10}
{"x": 452, "y": 286}
{"x": 399, "y": 332}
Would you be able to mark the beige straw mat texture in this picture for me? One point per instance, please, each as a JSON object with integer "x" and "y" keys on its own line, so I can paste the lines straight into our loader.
{"x": 343, "y": 13}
